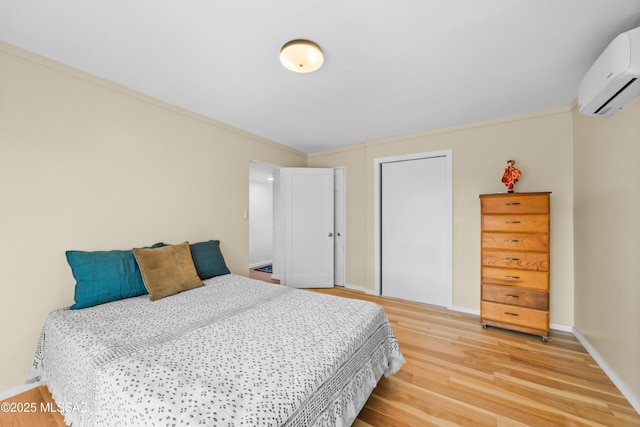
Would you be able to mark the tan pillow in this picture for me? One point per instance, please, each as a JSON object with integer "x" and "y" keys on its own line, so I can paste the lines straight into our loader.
{"x": 167, "y": 270}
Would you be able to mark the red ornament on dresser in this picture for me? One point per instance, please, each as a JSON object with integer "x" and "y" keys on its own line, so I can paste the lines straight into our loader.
{"x": 511, "y": 175}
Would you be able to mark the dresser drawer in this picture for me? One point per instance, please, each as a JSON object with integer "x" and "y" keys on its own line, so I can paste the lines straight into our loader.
{"x": 528, "y": 317}
{"x": 537, "y": 223}
{"x": 516, "y": 241}
{"x": 515, "y": 204}
{"x": 516, "y": 296}
{"x": 538, "y": 261}
{"x": 513, "y": 277}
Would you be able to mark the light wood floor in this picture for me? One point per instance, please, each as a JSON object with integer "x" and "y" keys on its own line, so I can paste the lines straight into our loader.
{"x": 33, "y": 408}
{"x": 259, "y": 275}
{"x": 458, "y": 374}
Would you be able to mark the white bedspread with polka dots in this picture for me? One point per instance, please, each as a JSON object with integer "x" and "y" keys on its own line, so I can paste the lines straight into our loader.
{"x": 236, "y": 352}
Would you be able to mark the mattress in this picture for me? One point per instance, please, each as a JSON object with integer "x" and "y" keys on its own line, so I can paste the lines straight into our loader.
{"x": 235, "y": 352}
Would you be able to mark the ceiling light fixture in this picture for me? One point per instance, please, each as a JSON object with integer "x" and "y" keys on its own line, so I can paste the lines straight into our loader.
{"x": 301, "y": 56}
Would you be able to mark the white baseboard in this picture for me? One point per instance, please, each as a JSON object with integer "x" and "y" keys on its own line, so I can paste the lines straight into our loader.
{"x": 361, "y": 289}
{"x": 561, "y": 327}
{"x": 554, "y": 326}
{"x": 17, "y": 390}
{"x": 613, "y": 376}
{"x": 464, "y": 310}
{"x": 261, "y": 263}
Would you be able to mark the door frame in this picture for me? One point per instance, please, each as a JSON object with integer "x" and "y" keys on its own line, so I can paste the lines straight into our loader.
{"x": 377, "y": 212}
{"x": 340, "y": 223}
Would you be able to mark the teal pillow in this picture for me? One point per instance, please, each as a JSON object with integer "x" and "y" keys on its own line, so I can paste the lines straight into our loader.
{"x": 104, "y": 276}
{"x": 208, "y": 259}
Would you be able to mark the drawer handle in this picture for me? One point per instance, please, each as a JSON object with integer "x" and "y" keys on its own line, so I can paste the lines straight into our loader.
{"x": 513, "y": 222}
{"x": 512, "y": 203}
{"x": 512, "y": 277}
{"x": 511, "y": 314}
{"x": 512, "y": 240}
{"x": 511, "y": 296}
{"x": 512, "y": 259}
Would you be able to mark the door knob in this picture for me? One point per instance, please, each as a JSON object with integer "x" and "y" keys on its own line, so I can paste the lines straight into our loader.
{"x": 330, "y": 234}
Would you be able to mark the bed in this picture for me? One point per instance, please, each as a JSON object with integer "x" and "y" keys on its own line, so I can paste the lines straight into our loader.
{"x": 234, "y": 352}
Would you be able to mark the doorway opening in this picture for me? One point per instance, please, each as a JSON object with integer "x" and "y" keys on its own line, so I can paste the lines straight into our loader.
{"x": 261, "y": 220}
{"x": 267, "y": 235}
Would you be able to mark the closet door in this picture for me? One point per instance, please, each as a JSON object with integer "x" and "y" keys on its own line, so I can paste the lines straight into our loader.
{"x": 415, "y": 230}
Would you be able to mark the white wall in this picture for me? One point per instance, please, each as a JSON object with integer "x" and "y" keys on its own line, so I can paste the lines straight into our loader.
{"x": 260, "y": 223}
{"x": 607, "y": 239}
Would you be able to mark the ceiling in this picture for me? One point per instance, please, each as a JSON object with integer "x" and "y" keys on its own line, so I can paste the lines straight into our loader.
{"x": 391, "y": 67}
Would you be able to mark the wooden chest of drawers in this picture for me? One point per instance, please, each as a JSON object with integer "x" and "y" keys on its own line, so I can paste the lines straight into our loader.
{"x": 515, "y": 262}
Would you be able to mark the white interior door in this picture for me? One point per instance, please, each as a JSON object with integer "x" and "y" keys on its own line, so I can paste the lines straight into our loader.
{"x": 415, "y": 227}
{"x": 308, "y": 199}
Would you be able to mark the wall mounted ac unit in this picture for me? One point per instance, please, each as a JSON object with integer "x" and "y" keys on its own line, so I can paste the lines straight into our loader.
{"x": 614, "y": 79}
